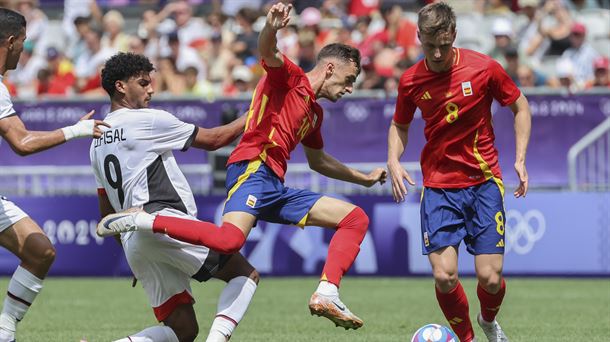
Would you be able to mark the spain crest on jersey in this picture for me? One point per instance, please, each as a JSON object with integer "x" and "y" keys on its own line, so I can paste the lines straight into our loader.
{"x": 466, "y": 88}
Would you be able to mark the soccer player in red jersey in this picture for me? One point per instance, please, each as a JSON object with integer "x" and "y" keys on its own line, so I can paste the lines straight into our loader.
{"x": 463, "y": 192}
{"x": 284, "y": 111}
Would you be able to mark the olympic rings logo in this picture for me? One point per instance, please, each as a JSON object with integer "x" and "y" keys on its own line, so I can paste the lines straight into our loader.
{"x": 523, "y": 230}
{"x": 356, "y": 112}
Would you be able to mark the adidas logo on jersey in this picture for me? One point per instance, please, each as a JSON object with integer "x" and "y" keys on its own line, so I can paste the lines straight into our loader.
{"x": 426, "y": 96}
{"x": 251, "y": 201}
{"x": 500, "y": 243}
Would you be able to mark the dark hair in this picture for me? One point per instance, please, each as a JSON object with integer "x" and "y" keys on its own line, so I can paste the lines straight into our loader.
{"x": 122, "y": 67}
{"x": 435, "y": 18}
{"x": 341, "y": 51}
{"x": 11, "y": 23}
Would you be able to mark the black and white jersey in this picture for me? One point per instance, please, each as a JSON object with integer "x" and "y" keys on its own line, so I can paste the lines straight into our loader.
{"x": 134, "y": 164}
{"x": 6, "y": 105}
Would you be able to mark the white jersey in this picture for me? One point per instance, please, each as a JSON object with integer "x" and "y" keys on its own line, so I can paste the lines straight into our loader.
{"x": 6, "y": 105}
{"x": 133, "y": 161}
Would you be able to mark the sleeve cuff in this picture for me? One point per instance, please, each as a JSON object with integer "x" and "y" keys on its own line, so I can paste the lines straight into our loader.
{"x": 190, "y": 140}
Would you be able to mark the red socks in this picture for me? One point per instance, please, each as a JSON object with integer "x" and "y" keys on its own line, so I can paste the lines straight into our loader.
{"x": 345, "y": 245}
{"x": 227, "y": 239}
{"x": 490, "y": 303}
{"x": 454, "y": 305}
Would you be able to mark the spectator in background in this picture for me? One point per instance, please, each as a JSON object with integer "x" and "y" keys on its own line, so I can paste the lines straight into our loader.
{"x": 87, "y": 67}
{"x": 241, "y": 81}
{"x": 581, "y": 54}
{"x": 531, "y": 44}
{"x": 58, "y": 77}
{"x": 558, "y": 31}
{"x": 218, "y": 58}
{"x": 114, "y": 38}
{"x": 502, "y": 31}
{"x": 184, "y": 56}
{"x": 528, "y": 77}
{"x": 565, "y": 74}
{"x": 362, "y": 8}
{"x": 581, "y": 5}
{"x": 245, "y": 44}
{"x": 496, "y": 7}
{"x": 37, "y": 24}
{"x": 307, "y": 50}
{"x": 168, "y": 80}
{"x": 177, "y": 16}
{"x": 24, "y": 77}
{"x": 601, "y": 74}
{"x": 201, "y": 89}
{"x": 74, "y": 9}
{"x": 398, "y": 33}
{"x": 77, "y": 45}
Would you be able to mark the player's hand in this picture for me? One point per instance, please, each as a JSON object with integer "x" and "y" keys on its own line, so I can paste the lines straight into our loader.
{"x": 397, "y": 175}
{"x": 377, "y": 175}
{"x": 97, "y": 132}
{"x": 278, "y": 16}
{"x": 523, "y": 179}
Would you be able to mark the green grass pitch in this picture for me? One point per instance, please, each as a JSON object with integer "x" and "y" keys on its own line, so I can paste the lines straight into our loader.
{"x": 104, "y": 309}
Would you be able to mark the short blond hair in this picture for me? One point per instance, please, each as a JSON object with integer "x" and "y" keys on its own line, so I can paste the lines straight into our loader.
{"x": 435, "y": 18}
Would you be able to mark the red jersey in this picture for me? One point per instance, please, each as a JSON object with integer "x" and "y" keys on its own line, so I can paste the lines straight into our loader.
{"x": 283, "y": 112}
{"x": 456, "y": 108}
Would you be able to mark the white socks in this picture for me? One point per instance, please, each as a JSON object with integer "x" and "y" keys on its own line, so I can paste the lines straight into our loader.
{"x": 159, "y": 333}
{"x": 144, "y": 220}
{"x": 232, "y": 306}
{"x": 22, "y": 290}
{"x": 327, "y": 289}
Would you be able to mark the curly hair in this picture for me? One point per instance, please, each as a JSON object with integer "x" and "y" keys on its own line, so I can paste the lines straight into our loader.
{"x": 122, "y": 67}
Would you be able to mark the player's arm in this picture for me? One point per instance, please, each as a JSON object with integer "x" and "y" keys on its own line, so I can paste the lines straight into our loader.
{"x": 211, "y": 139}
{"x": 398, "y": 136}
{"x": 277, "y": 18}
{"x": 106, "y": 208}
{"x": 523, "y": 127}
{"x": 328, "y": 166}
{"x": 25, "y": 142}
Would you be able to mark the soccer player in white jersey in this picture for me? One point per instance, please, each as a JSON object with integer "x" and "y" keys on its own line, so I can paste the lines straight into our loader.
{"x": 19, "y": 233}
{"x": 134, "y": 167}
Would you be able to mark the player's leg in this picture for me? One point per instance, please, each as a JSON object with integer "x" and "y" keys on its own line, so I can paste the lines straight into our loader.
{"x": 246, "y": 183}
{"x": 157, "y": 261}
{"x": 24, "y": 238}
{"x": 242, "y": 280}
{"x": 449, "y": 291}
{"x": 443, "y": 228}
{"x": 488, "y": 247}
{"x": 351, "y": 224}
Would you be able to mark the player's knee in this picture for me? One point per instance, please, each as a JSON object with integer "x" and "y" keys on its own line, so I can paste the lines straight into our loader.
{"x": 41, "y": 258}
{"x": 445, "y": 281}
{"x": 357, "y": 219}
{"x": 234, "y": 239}
{"x": 187, "y": 332}
{"x": 255, "y": 276}
{"x": 491, "y": 281}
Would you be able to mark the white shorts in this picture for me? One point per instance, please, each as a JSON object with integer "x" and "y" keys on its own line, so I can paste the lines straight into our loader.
{"x": 165, "y": 266}
{"x": 9, "y": 213}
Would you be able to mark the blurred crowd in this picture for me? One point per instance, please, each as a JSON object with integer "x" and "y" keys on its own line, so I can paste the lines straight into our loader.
{"x": 208, "y": 48}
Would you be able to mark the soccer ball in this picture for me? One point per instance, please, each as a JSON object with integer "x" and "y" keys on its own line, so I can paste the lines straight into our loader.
{"x": 434, "y": 333}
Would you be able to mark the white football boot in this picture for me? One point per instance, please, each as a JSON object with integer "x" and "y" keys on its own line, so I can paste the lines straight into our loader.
{"x": 492, "y": 330}
{"x": 122, "y": 222}
{"x": 333, "y": 308}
